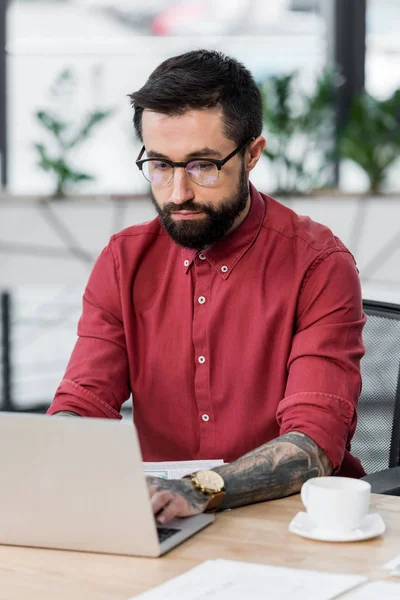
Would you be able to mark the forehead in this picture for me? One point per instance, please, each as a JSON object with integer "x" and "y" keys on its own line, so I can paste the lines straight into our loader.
{"x": 185, "y": 133}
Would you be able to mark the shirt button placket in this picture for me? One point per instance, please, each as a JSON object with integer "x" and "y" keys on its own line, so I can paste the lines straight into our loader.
{"x": 202, "y": 306}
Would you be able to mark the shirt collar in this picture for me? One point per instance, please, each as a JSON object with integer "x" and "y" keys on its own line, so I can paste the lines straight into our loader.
{"x": 225, "y": 254}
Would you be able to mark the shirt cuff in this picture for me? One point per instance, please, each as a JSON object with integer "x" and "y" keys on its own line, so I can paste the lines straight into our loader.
{"x": 327, "y": 419}
{"x": 72, "y": 396}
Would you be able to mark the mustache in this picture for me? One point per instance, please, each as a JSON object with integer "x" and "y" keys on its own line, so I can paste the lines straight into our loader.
{"x": 171, "y": 208}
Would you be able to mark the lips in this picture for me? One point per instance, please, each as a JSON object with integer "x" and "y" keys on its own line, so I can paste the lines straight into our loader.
{"x": 185, "y": 215}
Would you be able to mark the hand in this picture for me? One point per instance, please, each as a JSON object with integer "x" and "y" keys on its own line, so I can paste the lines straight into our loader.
{"x": 175, "y": 498}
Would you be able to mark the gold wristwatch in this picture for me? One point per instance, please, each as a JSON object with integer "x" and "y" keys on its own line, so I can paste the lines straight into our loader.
{"x": 210, "y": 484}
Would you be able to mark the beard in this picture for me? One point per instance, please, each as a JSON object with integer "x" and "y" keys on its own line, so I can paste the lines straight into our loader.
{"x": 208, "y": 229}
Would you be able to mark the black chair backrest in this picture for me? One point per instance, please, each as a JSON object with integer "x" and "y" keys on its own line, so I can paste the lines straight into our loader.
{"x": 377, "y": 439}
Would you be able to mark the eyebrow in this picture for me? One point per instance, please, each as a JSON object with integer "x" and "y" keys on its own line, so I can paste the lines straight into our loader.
{"x": 201, "y": 153}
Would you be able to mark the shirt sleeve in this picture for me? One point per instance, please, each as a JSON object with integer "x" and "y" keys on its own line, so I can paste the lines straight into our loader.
{"x": 324, "y": 381}
{"x": 96, "y": 382}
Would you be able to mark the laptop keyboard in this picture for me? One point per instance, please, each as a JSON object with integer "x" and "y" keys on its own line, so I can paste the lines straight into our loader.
{"x": 165, "y": 532}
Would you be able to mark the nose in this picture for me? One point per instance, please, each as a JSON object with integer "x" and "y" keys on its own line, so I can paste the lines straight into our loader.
{"x": 181, "y": 187}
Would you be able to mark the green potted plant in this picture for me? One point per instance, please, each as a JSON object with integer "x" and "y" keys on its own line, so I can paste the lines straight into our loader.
{"x": 372, "y": 137}
{"x": 299, "y": 131}
{"x": 65, "y": 135}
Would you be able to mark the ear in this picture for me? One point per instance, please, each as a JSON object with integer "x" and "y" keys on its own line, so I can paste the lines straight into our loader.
{"x": 254, "y": 151}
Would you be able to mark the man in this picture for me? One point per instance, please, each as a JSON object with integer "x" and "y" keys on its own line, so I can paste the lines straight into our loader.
{"x": 235, "y": 323}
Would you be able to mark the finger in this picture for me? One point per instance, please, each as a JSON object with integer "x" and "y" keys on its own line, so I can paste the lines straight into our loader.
{"x": 169, "y": 512}
{"x": 159, "y": 500}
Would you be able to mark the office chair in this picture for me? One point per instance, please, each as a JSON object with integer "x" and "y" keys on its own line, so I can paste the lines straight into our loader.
{"x": 377, "y": 438}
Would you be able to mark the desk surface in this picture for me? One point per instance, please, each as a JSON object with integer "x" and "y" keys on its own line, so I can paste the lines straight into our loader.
{"x": 257, "y": 533}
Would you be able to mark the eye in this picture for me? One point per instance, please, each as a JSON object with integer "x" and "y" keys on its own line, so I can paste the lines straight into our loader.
{"x": 159, "y": 166}
{"x": 204, "y": 166}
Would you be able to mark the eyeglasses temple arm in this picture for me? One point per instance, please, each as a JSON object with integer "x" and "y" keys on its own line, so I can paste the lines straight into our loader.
{"x": 238, "y": 149}
{"x": 141, "y": 154}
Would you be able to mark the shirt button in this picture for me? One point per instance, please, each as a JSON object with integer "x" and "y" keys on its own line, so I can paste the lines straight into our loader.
{"x": 202, "y": 257}
{"x": 201, "y": 300}
{"x": 224, "y": 269}
{"x": 186, "y": 263}
{"x": 205, "y": 417}
{"x": 201, "y": 360}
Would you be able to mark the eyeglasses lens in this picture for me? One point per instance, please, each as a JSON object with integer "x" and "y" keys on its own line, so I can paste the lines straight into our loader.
{"x": 160, "y": 174}
{"x": 202, "y": 172}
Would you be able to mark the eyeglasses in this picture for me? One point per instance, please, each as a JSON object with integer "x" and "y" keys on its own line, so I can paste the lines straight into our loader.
{"x": 203, "y": 171}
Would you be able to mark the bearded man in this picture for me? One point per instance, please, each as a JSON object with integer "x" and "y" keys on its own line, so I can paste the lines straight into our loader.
{"x": 235, "y": 324}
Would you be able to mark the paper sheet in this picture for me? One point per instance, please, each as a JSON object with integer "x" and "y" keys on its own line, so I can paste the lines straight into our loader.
{"x": 177, "y": 469}
{"x": 234, "y": 580}
{"x": 377, "y": 590}
{"x": 393, "y": 566}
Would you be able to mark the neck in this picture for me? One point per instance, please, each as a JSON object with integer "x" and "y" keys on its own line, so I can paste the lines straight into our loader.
{"x": 239, "y": 220}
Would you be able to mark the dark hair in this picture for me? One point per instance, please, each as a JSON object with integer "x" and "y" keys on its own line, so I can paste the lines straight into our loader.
{"x": 203, "y": 79}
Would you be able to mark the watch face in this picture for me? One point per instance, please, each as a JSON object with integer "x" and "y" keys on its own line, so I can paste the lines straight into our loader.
{"x": 210, "y": 480}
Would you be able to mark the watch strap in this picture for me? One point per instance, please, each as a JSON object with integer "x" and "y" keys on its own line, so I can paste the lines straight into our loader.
{"x": 215, "y": 502}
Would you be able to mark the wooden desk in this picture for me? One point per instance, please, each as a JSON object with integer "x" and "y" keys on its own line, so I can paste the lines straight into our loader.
{"x": 257, "y": 533}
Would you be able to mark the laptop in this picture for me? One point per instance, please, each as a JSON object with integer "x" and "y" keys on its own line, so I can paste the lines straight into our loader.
{"x": 78, "y": 484}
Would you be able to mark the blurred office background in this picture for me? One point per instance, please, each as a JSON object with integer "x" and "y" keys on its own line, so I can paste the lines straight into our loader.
{"x": 330, "y": 75}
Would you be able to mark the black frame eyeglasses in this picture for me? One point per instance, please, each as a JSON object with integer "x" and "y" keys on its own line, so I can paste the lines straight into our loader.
{"x": 202, "y": 171}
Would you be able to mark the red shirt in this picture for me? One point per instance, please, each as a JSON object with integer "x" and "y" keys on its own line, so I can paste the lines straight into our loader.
{"x": 225, "y": 349}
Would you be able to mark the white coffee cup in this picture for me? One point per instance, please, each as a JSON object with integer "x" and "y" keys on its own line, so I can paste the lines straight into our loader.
{"x": 336, "y": 503}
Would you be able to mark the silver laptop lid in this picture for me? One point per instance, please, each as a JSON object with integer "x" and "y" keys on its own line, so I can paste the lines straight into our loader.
{"x": 74, "y": 484}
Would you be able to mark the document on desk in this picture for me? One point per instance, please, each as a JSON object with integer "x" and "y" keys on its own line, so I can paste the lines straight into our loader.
{"x": 233, "y": 580}
{"x": 393, "y": 566}
{"x": 385, "y": 590}
{"x": 178, "y": 468}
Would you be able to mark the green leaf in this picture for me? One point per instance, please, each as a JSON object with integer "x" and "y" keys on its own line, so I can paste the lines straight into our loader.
{"x": 91, "y": 121}
{"x": 51, "y": 123}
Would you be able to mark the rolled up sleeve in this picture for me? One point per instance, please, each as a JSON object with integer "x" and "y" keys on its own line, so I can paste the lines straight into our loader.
{"x": 96, "y": 381}
{"x": 324, "y": 381}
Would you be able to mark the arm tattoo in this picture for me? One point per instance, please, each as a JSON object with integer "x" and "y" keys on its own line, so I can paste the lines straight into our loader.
{"x": 274, "y": 470}
{"x": 181, "y": 487}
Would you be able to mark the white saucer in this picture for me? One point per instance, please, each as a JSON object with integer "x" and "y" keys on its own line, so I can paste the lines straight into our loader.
{"x": 371, "y": 526}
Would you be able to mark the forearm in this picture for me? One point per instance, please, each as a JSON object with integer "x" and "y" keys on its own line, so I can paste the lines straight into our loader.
{"x": 274, "y": 470}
